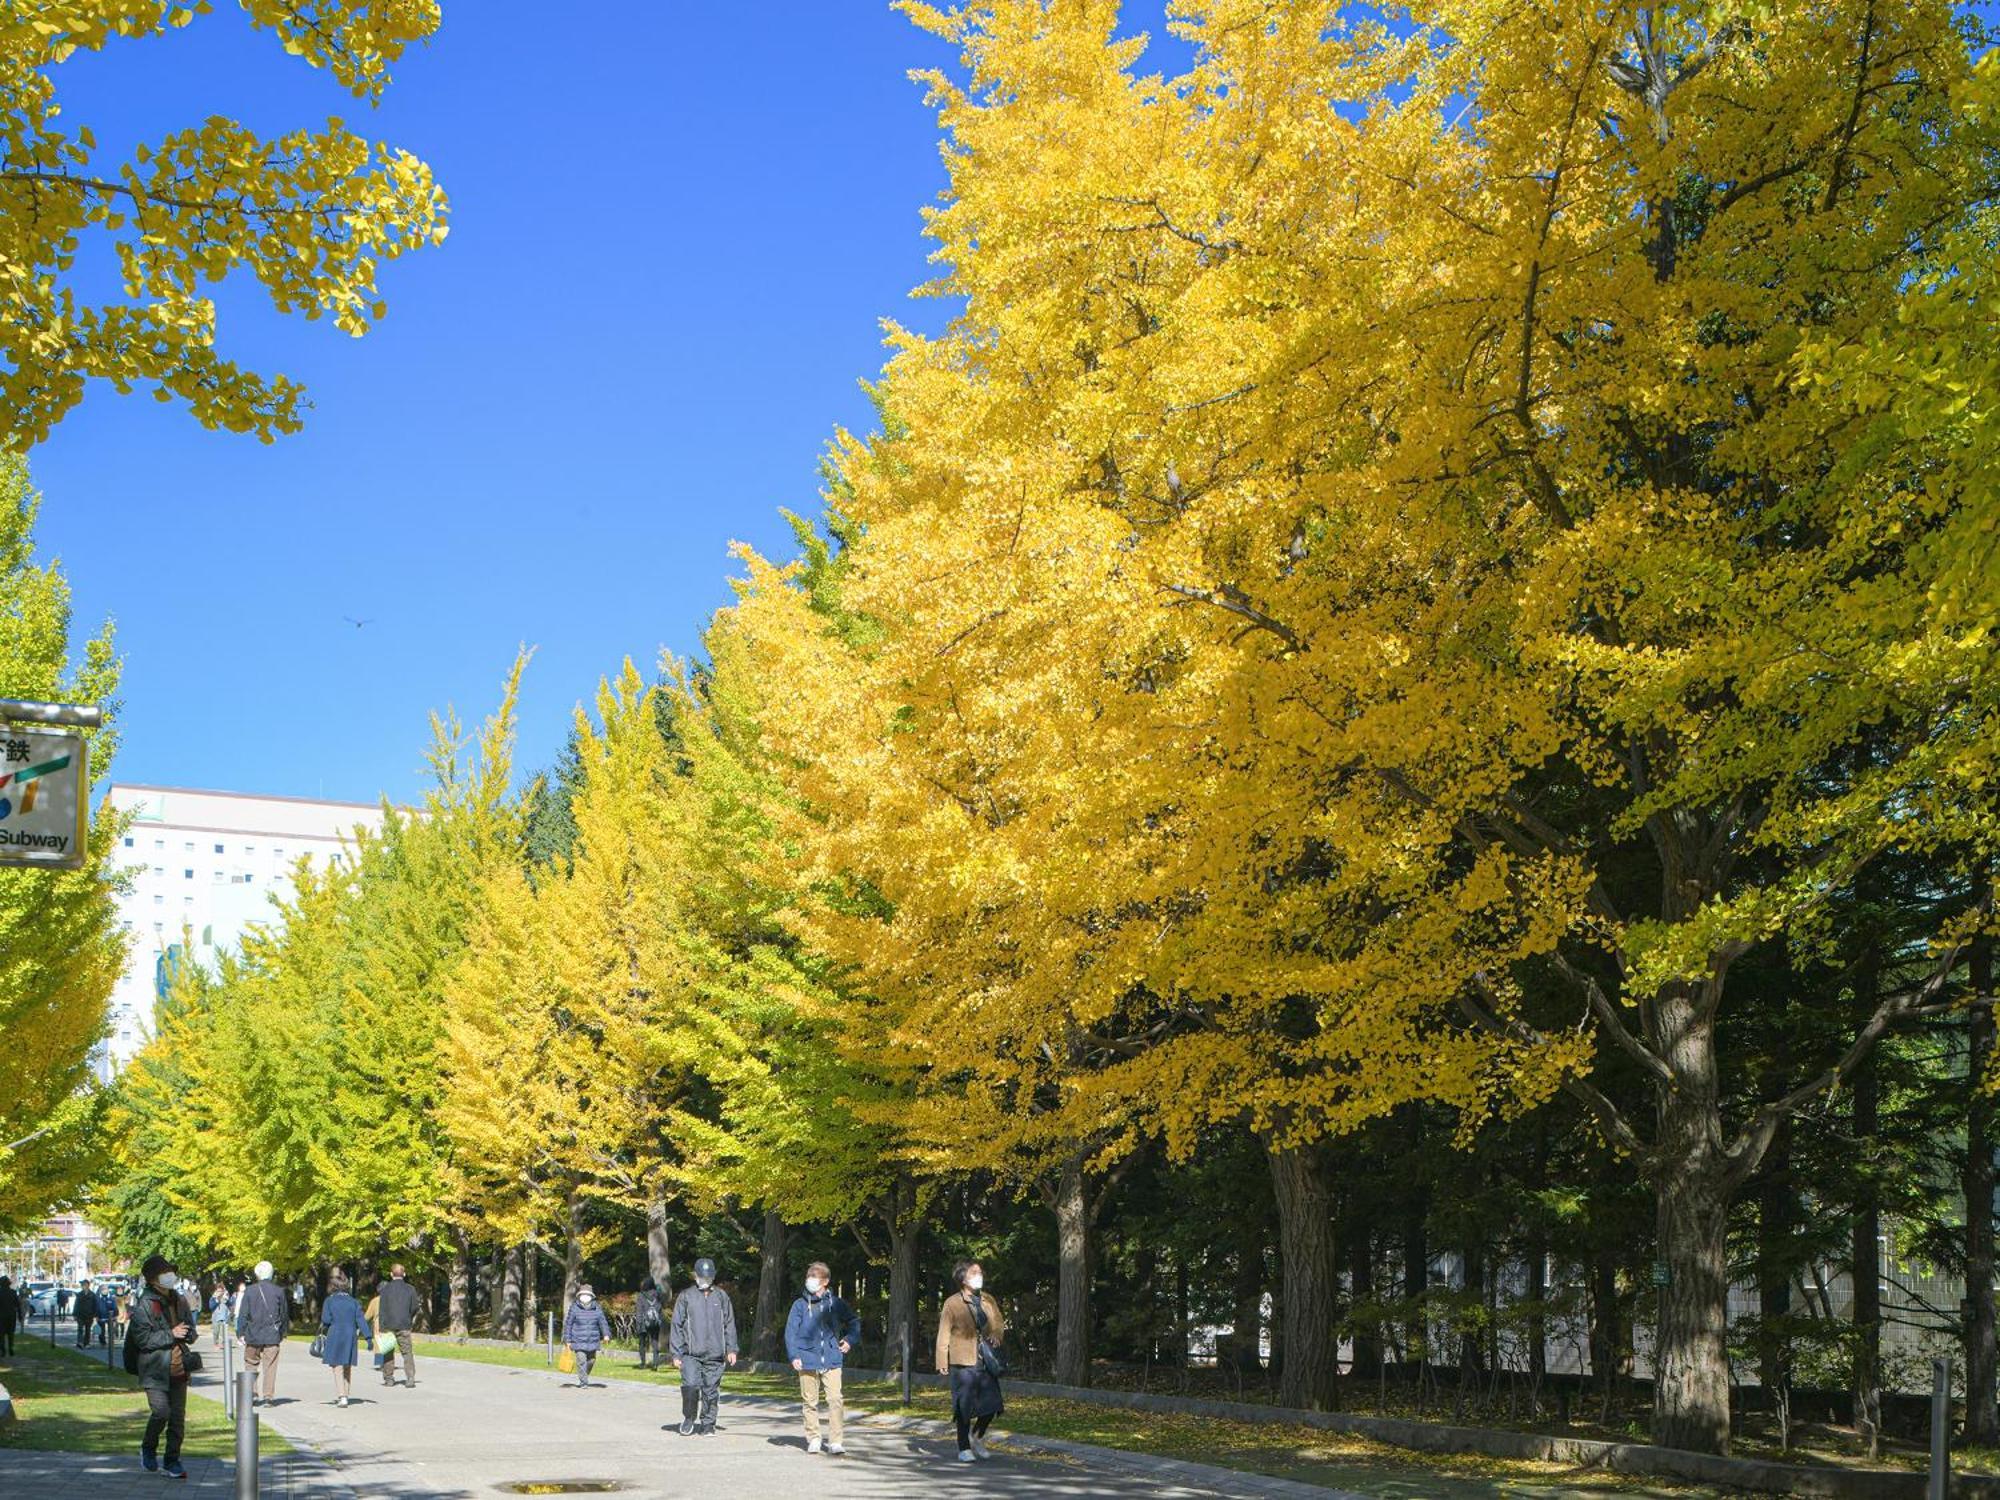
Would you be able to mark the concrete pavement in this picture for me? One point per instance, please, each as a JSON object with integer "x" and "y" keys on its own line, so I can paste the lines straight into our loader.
{"x": 468, "y": 1429}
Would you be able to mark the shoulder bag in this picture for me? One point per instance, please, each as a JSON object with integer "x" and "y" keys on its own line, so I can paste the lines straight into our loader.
{"x": 991, "y": 1360}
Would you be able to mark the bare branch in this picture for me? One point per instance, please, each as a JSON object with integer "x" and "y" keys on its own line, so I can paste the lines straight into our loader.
{"x": 1233, "y": 599}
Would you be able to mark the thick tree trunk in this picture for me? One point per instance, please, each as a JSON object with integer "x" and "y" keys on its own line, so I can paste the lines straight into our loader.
{"x": 1246, "y": 1335}
{"x": 1692, "y": 1189}
{"x": 461, "y": 1285}
{"x": 1071, "y": 1201}
{"x": 531, "y": 1290}
{"x": 773, "y": 1283}
{"x": 1311, "y": 1278}
{"x": 507, "y": 1315}
{"x": 659, "y": 1247}
{"x": 1865, "y": 1269}
{"x": 1361, "y": 1302}
{"x": 1982, "y": 1420}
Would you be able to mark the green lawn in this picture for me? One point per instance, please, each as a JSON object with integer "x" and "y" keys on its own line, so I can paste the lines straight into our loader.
{"x": 1289, "y": 1452}
{"x": 68, "y": 1401}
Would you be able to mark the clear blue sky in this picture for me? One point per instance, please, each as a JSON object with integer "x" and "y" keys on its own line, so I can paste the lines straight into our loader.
{"x": 675, "y": 229}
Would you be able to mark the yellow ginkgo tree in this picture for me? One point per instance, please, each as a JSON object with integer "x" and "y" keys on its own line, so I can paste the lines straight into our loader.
{"x": 311, "y": 213}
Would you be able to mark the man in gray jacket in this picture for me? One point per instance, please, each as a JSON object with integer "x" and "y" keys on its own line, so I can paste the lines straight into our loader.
{"x": 702, "y": 1342}
{"x": 262, "y": 1317}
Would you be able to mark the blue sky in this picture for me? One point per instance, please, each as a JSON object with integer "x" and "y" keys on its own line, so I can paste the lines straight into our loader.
{"x": 675, "y": 229}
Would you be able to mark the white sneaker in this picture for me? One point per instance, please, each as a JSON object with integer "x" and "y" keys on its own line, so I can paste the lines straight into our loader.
{"x": 341, "y": 1402}
{"x": 965, "y": 1455}
{"x": 812, "y": 1445}
{"x": 836, "y": 1450}
{"x": 979, "y": 1448}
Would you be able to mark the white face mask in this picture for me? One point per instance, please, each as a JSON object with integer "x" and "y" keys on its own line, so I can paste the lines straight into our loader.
{"x": 814, "y": 1286}
{"x": 974, "y": 1282}
{"x": 168, "y": 1281}
{"x": 586, "y": 1298}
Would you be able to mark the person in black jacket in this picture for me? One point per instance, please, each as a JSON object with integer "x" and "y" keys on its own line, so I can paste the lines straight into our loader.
{"x": 398, "y": 1315}
{"x": 10, "y": 1315}
{"x": 160, "y": 1343}
{"x": 704, "y": 1340}
{"x": 649, "y": 1321}
{"x": 86, "y": 1312}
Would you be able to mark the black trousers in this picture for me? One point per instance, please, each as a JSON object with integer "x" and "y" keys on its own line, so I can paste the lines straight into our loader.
{"x": 975, "y": 1402}
{"x": 82, "y": 1332}
{"x": 650, "y": 1345}
{"x": 701, "y": 1388}
{"x": 169, "y": 1412}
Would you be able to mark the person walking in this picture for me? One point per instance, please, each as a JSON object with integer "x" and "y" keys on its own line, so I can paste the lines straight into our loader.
{"x": 398, "y": 1301}
{"x": 970, "y": 1329}
{"x": 703, "y": 1341}
{"x": 820, "y": 1330}
{"x": 262, "y": 1318}
{"x": 86, "y": 1312}
{"x": 219, "y": 1310}
{"x": 585, "y": 1328}
{"x": 10, "y": 1315}
{"x": 341, "y": 1330}
{"x": 159, "y": 1349}
{"x": 649, "y": 1321}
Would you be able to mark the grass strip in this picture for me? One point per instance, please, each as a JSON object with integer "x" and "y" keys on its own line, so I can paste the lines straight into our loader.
{"x": 67, "y": 1400}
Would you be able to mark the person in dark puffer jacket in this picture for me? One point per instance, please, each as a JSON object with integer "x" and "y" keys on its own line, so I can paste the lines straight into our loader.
{"x": 585, "y": 1328}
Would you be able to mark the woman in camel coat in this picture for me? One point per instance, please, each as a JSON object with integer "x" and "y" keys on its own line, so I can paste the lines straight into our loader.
{"x": 969, "y": 1315}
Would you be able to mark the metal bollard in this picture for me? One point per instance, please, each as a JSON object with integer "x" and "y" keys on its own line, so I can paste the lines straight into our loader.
{"x": 1940, "y": 1480}
{"x": 228, "y": 1373}
{"x": 552, "y": 1338}
{"x": 246, "y": 1436}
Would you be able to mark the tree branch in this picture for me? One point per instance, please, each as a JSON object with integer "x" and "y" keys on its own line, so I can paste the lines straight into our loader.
{"x": 1233, "y": 599}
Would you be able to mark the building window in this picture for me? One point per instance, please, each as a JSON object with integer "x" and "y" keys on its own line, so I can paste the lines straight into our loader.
{"x": 218, "y": 848}
{"x": 188, "y": 847}
{"x": 128, "y": 841}
{"x": 159, "y": 869}
{"x": 187, "y": 874}
{"x": 249, "y": 879}
{"x": 218, "y": 877}
{"x": 159, "y": 901}
{"x": 159, "y": 843}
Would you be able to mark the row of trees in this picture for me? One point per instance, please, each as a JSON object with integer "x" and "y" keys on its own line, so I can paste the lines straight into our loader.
{"x": 1441, "y": 577}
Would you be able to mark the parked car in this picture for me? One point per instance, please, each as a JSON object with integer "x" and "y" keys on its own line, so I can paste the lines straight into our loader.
{"x": 41, "y": 1298}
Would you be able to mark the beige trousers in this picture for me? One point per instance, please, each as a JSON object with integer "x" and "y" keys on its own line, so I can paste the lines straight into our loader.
{"x": 812, "y": 1383}
{"x": 264, "y": 1357}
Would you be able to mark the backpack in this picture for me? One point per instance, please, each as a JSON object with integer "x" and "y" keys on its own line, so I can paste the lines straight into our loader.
{"x": 131, "y": 1351}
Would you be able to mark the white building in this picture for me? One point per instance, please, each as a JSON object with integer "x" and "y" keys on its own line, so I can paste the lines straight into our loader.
{"x": 205, "y": 866}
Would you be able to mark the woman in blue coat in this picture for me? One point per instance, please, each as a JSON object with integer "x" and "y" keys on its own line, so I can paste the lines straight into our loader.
{"x": 585, "y": 1329}
{"x": 341, "y": 1328}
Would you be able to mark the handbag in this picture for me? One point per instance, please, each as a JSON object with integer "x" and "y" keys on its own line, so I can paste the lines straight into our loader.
{"x": 991, "y": 1360}
{"x": 190, "y": 1358}
{"x": 566, "y": 1361}
{"x": 317, "y": 1349}
{"x": 385, "y": 1343}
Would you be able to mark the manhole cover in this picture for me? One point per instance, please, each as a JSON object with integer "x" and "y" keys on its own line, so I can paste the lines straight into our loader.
{"x": 562, "y": 1487}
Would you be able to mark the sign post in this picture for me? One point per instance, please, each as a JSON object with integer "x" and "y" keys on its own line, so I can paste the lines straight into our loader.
{"x": 44, "y": 784}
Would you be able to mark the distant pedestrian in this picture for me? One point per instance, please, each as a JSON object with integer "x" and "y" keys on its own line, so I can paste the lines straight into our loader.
{"x": 398, "y": 1302}
{"x": 585, "y": 1328}
{"x": 342, "y": 1329}
{"x": 819, "y": 1333}
{"x": 649, "y": 1321}
{"x": 10, "y": 1315}
{"x": 968, "y": 1340}
{"x": 159, "y": 1350}
{"x": 63, "y": 1295}
{"x": 703, "y": 1341}
{"x": 219, "y": 1310}
{"x": 86, "y": 1313}
{"x": 263, "y": 1317}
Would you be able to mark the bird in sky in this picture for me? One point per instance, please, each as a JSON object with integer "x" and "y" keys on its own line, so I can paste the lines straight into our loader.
{"x": 357, "y": 624}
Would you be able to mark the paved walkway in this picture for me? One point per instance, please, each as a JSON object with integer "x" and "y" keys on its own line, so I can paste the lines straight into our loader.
{"x": 467, "y": 1429}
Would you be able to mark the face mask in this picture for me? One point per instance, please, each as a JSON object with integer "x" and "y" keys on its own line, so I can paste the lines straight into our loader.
{"x": 168, "y": 1281}
{"x": 703, "y": 1282}
{"x": 814, "y": 1287}
{"x": 586, "y": 1298}
{"x": 974, "y": 1283}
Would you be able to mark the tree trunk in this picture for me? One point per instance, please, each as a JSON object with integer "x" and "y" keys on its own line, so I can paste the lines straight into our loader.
{"x": 1692, "y": 1189}
{"x": 531, "y": 1290}
{"x": 507, "y": 1316}
{"x": 1866, "y": 1268}
{"x": 1982, "y": 1420}
{"x": 1361, "y": 1303}
{"x": 903, "y": 1224}
{"x": 768, "y": 1322}
{"x": 1606, "y": 1341}
{"x": 461, "y": 1285}
{"x": 1246, "y": 1334}
{"x": 1071, "y": 1201}
{"x": 1310, "y": 1276}
{"x": 572, "y": 1250}
{"x": 1775, "y": 1228}
{"x": 659, "y": 1257}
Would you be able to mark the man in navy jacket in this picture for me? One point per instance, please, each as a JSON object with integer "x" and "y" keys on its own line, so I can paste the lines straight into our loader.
{"x": 819, "y": 1332}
